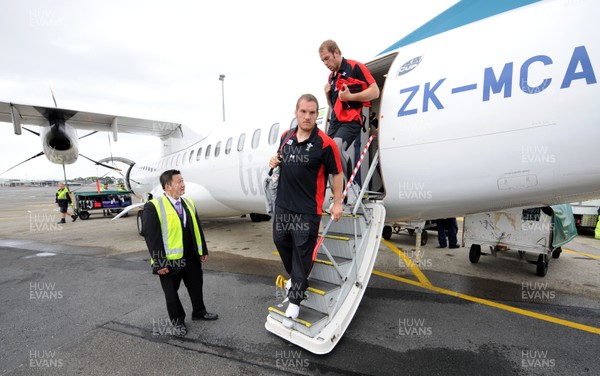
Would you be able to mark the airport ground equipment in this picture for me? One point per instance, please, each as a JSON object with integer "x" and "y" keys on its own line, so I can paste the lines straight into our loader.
{"x": 347, "y": 250}
{"x": 537, "y": 231}
{"x": 111, "y": 201}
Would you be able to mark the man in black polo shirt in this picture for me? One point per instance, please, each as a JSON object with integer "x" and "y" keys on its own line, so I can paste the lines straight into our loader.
{"x": 306, "y": 159}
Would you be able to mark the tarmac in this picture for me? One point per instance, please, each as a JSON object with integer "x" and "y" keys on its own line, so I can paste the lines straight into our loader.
{"x": 79, "y": 298}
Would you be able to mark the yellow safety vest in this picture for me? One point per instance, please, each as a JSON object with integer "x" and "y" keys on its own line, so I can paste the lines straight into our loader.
{"x": 172, "y": 228}
{"x": 62, "y": 194}
{"x": 597, "y": 235}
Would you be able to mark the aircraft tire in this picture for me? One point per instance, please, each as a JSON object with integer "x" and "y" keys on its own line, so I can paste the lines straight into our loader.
{"x": 474, "y": 253}
{"x": 139, "y": 223}
{"x": 542, "y": 265}
{"x": 387, "y": 232}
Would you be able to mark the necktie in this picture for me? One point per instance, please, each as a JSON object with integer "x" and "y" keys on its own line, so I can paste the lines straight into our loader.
{"x": 178, "y": 208}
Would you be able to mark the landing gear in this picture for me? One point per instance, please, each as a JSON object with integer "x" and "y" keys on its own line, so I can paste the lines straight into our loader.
{"x": 139, "y": 223}
{"x": 387, "y": 232}
{"x": 255, "y": 217}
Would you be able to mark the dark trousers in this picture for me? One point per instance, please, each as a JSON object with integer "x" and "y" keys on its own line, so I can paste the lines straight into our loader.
{"x": 447, "y": 227}
{"x": 295, "y": 236}
{"x": 191, "y": 275}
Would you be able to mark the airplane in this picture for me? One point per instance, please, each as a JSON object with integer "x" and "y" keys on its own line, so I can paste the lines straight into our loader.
{"x": 490, "y": 105}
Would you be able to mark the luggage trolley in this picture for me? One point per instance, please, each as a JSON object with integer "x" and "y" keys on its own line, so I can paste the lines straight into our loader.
{"x": 113, "y": 201}
{"x": 538, "y": 231}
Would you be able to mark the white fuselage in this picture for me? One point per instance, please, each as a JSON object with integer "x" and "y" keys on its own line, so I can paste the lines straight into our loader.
{"x": 495, "y": 114}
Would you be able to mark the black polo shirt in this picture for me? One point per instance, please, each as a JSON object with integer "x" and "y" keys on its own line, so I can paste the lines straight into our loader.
{"x": 304, "y": 170}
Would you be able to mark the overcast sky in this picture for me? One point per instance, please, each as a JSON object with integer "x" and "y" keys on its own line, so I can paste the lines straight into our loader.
{"x": 162, "y": 60}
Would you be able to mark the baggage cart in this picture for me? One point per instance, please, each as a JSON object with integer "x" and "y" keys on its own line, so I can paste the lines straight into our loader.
{"x": 539, "y": 231}
{"x": 105, "y": 201}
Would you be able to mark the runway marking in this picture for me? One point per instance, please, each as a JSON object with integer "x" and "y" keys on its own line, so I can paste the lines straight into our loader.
{"x": 581, "y": 253}
{"x": 408, "y": 262}
{"x": 474, "y": 299}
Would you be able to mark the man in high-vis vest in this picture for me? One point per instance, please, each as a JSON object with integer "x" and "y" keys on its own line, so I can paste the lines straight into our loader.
{"x": 175, "y": 240}
{"x": 63, "y": 199}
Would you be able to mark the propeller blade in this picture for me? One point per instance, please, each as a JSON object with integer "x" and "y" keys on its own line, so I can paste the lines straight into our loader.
{"x": 53, "y": 98}
{"x": 28, "y": 159}
{"x": 89, "y": 134}
{"x": 29, "y": 130}
{"x": 101, "y": 164}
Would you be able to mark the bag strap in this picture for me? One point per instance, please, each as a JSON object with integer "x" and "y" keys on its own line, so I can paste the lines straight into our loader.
{"x": 289, "y": 135}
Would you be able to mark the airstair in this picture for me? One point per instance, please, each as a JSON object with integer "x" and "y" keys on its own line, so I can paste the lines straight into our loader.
{"x": 347, "y": 250}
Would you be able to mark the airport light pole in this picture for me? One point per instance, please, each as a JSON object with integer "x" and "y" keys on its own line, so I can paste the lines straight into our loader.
{"x": 222, "y": 79}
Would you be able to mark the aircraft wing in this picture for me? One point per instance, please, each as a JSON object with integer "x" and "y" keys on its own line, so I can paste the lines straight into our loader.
{"x": 20, "y": 114}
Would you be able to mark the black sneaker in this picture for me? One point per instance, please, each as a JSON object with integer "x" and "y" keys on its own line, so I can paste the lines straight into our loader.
{"x": 74, "y": 217}
{"x": 62, "y": 221}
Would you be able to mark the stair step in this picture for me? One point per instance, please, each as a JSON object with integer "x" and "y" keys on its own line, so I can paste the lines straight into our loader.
{"x": 321, "y": 295}
{"x": 309, "y": 321}
{"x": 345, "y": 225}
{"x": 324, "y": 270}
{"x": 340, "y": 246}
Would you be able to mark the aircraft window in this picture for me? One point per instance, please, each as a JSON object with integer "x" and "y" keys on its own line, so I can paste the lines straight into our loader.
{"x": 256, "y": 138}
{"x": 274, "y": 134}
{"x": 207, "y": 154}
{"x": 217, "y": 148}
{"x": 199, "y": 154}
{"x": 184, "y": 158}
{"x": 228, "y": 145}
{"x": 191, "y": 156}
{"x": 178, "y": 160}
{"x": 241, "y": 142}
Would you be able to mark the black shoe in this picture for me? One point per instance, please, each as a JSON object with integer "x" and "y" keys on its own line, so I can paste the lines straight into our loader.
{"x": 205, "y": 316}
{"x": 62, "y": 221}
{"x": 441, "y": 246}
{"x": 74, "y": 217}
{"x": 454, "y": 246}
{"x": 180, "y": 330}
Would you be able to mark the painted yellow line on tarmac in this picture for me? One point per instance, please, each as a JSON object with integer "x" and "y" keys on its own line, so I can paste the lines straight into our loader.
{"x": 490, "y": 303}
{"x": 427, "y": 285}
{"x": 408, "y": 262}
{"x": 581, "y": 253}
